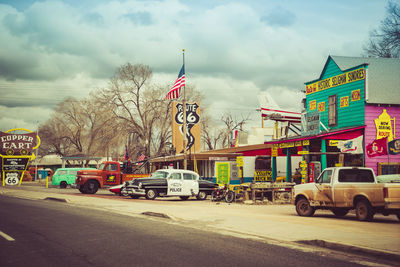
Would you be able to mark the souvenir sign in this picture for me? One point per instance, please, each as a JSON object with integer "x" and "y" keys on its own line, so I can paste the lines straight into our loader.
{"x": 15, "y": 152}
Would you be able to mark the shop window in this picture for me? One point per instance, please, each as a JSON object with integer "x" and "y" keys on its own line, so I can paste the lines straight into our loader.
{"x": 388, "y": 168}
{"x": 332, "y": 111}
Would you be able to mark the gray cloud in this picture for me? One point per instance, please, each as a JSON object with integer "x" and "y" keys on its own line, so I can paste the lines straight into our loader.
{"x": 279, "y": 17}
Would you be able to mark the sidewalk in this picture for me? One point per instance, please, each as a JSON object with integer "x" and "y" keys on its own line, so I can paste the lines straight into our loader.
{"x": 272, "y": 222}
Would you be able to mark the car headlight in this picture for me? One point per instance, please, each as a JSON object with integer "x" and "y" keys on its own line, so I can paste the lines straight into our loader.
{"x": 140, "y": 185}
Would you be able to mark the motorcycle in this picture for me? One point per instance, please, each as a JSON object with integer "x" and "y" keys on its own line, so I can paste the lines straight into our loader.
{"x": 223, "y": 193}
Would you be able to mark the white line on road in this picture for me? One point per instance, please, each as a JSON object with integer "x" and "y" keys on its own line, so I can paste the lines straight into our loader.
{"x": 6, "y": 237}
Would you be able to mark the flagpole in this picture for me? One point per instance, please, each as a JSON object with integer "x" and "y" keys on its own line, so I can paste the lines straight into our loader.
{"x": 184, "y": 119}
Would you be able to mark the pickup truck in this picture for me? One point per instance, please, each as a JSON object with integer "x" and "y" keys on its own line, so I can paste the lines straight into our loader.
{"x": 108, "y": 173}
{"x": 341, "y": 189}
{"x": 170, "y": 182}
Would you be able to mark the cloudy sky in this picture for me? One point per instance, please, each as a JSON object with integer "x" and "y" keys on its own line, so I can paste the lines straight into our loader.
{"x": 235, "y": 50}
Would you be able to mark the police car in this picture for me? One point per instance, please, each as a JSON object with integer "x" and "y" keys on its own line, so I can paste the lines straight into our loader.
{"x": 170, "y": 182}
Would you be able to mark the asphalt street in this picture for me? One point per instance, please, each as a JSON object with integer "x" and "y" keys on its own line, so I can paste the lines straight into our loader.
{"x": 48, "y": 233}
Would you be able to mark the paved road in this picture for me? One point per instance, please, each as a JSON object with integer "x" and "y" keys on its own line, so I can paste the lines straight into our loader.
{"x": 58, "y": 234}
{"x": 273, "y": 224}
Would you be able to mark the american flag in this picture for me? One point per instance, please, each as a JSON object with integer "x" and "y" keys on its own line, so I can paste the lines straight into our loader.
{"x": 141, "y": 157}
{"x": 175, "y": 91}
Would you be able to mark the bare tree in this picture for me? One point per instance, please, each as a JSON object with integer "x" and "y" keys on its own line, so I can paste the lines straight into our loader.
{"x": 211, "y": 135}
{"x": 231, "y": 124}
{"x": 137, "y": 106}
{"x": 79, "y": 128}
{"x": 385, "y": 42}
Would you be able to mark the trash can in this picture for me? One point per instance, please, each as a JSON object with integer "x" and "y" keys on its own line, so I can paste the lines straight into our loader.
{"x": 42, "y": 174}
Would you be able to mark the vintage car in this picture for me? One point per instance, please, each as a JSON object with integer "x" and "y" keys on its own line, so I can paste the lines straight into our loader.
{"x": 66, "y": 176}
{"x": 170, "y": 182}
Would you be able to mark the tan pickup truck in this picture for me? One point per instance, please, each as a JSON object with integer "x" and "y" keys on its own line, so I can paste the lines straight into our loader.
{"x": 341, "y": 189}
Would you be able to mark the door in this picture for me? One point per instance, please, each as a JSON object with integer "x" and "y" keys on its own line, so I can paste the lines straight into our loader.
{"x": 175, "y": 184}
{"x": 190, "y": 184}
{"x": 323, "y": 192}
{"x": 111, "y": 176}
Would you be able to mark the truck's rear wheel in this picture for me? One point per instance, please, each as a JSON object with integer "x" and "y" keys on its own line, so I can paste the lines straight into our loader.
{"x": 201, "y": 195}
{"x": 151, "y": 194}
{"x": 364, "y": 210}
{"x": 63, "y": 184}
{"x": 340, "y": 212}
{"x": 303, "y": 208}
{"x": 91, "y": 187}
{"x": 82, "y": 190}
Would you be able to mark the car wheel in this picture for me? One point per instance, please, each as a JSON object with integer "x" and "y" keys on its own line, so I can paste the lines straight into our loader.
{"x": 230, "y": 197}
{"x": 91, "y": 187}
{"x": 340, "y": 212}
{"x": 303, "y": 208}
{"x": 63, "y": 184}
{"x": 184, "y": 197}
{"x": 364, "y": 210}
{"x": 151, "y": 194}
{"x": 213, "y": 196}
{"x": 123, "y": 192}
{"x": 201, "y": 195}
{"x": 82, "y": 190}
{"x": 134, "y": 196}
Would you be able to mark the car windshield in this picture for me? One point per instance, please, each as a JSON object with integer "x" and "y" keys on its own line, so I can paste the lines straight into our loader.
{"x": 159, "y": 174}
{"x": 101, "y": 166}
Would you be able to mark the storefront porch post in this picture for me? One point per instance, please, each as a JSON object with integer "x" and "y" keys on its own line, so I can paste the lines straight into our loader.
{"x": 288, "y": 166}
{"x": 273, "y": 167}
{"x": 323, "y": 155}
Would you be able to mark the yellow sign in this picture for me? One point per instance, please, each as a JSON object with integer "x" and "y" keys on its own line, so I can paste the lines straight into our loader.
{"x": 286, "y": 145}
{"x": 313, "y": 105}
{"x": 262, "y": 176}
{"x": 344, "y": 101}
{"x": 356, "y": 95}
{"x": 384, "y": 126}
{"x": 274, "y": 152}
{"x": 239, "y": 161}
{"x": 193, "y": 127}
{"x": 306, "y": 142}
{"x": 304, "y": 152}
{"x": 341, "y": 79}
{"x": 298, "y": 143}
{"x": 321, "y": 106}
{"x": 333, "y": 142}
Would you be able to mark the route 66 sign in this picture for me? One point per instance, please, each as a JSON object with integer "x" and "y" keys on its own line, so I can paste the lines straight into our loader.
{"x": 193, "y": 127}
{"x": 12, "y": 178}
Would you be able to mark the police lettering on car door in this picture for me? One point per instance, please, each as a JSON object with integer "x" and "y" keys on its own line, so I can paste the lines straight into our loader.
{"x": 175, "y": 184}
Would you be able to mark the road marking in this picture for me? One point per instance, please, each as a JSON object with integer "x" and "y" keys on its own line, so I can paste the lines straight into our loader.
{"x": 6, "y": 237}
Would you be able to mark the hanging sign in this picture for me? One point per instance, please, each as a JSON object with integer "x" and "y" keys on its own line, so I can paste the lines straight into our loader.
{"x": 384, "y": 126}
{"x": 15, "y": 152}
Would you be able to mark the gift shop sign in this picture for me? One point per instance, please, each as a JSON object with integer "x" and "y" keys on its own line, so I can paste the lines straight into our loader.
{"x": 17, "y": 144}
{"x": 15, "y": 151}
{"x": 384, "y": 126}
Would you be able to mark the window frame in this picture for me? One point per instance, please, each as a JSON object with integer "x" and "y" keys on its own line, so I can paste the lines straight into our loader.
{"x": 332, "y": 121}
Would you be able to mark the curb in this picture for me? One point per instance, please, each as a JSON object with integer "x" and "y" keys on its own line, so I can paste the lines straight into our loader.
{"x": 352, "y": 249}
{"x": 56, "y": 199}
{"x": 156, "y": 214}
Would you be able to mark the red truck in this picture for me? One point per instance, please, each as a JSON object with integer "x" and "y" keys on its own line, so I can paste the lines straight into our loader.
{"x": 108, "y": 173}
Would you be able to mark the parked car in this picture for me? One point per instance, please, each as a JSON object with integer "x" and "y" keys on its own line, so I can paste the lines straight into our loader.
{"x": 170, "y": 182}
{"x": 341, "y": 189}
{"x": 66, "y": 176}
{"x": 119, "y": 190}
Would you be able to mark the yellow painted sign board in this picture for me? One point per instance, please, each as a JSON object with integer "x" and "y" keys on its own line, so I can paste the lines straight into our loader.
{"x": 239, "y": 161}
{"x": 304, "y": 152}
{"x": 331, "y": 82}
